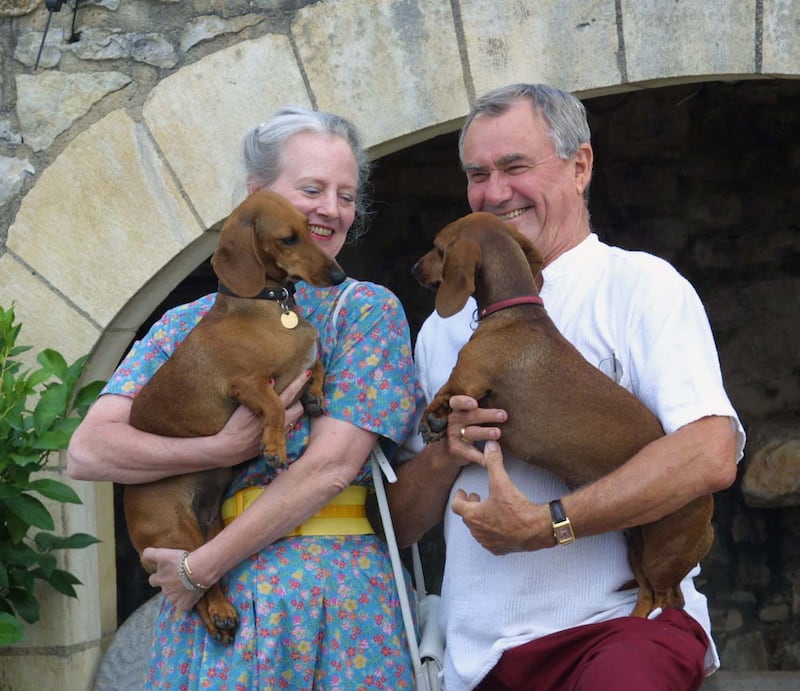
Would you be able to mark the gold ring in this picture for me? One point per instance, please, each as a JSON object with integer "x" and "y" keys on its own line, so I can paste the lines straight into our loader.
{"x": 464, "y": 436}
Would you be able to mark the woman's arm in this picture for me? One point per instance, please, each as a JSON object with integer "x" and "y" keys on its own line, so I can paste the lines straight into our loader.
{"x": 336, "y": 453}
{"x": 106, "y": 447}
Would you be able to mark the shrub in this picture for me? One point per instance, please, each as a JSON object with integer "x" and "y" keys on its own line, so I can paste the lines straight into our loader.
{"x": 39, "y": 410}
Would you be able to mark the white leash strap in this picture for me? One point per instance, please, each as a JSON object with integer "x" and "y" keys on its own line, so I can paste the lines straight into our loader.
{"x": 378, "y": 460}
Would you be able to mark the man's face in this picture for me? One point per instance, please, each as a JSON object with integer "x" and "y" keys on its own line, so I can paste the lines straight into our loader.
{"x": 513, "y": 171}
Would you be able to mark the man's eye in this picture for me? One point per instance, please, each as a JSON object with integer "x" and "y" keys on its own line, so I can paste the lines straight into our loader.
{"x": 516, "y": 170}
{"x": 349, "y": 198}
{"x": 477, "y": 176}
{"x": 311, "y": 191}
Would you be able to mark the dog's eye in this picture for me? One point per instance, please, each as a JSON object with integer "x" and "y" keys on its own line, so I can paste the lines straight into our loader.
{"x": 290, "y": 240}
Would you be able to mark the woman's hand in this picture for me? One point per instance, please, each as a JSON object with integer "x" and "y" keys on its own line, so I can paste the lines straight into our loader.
{"x": 166, "y": 577}
{"x": 467, "y": 424}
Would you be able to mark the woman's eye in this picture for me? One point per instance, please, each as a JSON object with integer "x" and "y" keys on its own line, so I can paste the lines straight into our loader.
{"x": 349, "y": 198}
{"x": 311, "y": 191}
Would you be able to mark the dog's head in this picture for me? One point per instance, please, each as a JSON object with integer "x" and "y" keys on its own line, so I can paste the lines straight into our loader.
{"x": 458, "y": 253}
{"x": 265, "y": 239}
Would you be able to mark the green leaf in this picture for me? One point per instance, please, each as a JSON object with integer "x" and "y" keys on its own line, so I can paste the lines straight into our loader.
{"x": 50, "y": 406}
{"x": 88, "y": 395}
{"x": 11, "y": 630}
{"x": 53, "y": 489}
{"x": 30, "y": 510}
{"x": 53, "y": 361}
{"x": 46, "y": 542}
{"x": 25, "y": 604}
{"x": 63, "y": 581}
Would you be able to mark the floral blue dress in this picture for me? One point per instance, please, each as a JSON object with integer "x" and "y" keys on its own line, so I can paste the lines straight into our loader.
{"x": 317, "y": 613}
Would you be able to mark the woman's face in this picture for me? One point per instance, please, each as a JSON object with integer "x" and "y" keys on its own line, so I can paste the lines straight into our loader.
{"x": 319, "y": 177}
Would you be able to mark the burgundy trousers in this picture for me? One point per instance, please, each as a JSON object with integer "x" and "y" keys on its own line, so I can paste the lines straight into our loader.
{"x": 626, "y": 654}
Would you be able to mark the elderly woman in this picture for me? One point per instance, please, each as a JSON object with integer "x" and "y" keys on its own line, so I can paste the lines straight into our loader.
{"x": 315, "y": 611}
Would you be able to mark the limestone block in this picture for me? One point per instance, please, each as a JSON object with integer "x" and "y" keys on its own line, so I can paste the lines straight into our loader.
{"x": 199, "y": 115}
{"x": 47, "y": 320}
{"x": 570, "y": 44}
{"x": 780, "y": 46}
{"x": 150, "y": 48}
{"x": 393, "y": 68}
{"x": 48, "y": 103}
{"x": 104, "y": 218}
{"x": 13, "y": 173}
{"x": 30, "y": 43}
{"x": 71, "y": 669}
{"x": 772, "y": 475}
{"x": 209, "y": 26}
{"x": 689, "y": 38}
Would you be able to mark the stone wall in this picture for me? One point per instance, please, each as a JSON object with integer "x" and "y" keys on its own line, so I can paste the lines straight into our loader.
{"x": 122, "y": 144}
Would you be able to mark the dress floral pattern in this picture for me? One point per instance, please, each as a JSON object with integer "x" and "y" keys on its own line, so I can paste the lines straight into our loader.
{"x": 317, "y": 613}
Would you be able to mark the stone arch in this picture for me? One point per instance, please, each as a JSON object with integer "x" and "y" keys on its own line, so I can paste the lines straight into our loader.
{"x": 132, "y": 204}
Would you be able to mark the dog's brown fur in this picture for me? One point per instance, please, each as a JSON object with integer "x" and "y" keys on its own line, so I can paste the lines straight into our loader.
{"x": 564, "y": 415}
{"x": 228, "y": 359}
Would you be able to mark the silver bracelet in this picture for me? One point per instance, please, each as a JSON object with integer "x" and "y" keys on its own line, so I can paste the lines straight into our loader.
{"x": 184, "y": 572}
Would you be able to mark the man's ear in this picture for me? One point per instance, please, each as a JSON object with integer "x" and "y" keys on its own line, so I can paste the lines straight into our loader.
{"x": 584, "y": 158}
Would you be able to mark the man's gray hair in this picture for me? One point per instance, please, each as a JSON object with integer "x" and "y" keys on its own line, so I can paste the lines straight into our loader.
{"x": 564, "y": 114}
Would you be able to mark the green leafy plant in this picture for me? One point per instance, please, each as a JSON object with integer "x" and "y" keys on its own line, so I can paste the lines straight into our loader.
{"x": 39, "y": 410}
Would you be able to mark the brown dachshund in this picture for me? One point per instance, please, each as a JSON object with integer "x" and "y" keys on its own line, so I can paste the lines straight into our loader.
{"x": 564, "y": 414}
{"x": 250, "y": 336}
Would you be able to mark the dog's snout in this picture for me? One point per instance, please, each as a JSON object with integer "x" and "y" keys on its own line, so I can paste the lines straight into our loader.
{"x": 337, "y": 275}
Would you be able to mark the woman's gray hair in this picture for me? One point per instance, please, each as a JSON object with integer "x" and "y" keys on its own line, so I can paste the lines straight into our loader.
{"x": 564, "y": 114}
{"x": 263, "y": 145}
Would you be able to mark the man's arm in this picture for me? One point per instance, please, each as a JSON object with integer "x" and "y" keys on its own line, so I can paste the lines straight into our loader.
{"x": 419, "y": 497}
{"x": 695, "y": 460}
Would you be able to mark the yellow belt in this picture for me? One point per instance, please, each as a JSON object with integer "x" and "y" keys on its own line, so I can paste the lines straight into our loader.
{"x": 345, "y": 514}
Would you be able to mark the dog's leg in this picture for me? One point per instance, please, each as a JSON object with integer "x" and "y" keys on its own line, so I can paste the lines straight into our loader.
{"x": 312, "y": 396}
{"x": 469, "y": 377}
{"x": 671, "y": 547}
{"x": 256, "y": 393}
{"x": 157, "y": 516}
{"x": 219, "y": 615}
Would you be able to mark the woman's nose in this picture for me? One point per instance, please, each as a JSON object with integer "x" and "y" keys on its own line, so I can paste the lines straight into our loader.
{"x": 328, "y": 205}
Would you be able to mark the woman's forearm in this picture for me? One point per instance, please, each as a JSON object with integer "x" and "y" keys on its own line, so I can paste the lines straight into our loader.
{"x": 106, "y": 447}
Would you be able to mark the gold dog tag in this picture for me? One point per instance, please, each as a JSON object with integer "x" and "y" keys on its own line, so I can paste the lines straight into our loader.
{"x": 289, "y": 319}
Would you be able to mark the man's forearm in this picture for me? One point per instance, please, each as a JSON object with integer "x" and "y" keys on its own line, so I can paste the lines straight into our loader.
{"x": 419, "y": 497}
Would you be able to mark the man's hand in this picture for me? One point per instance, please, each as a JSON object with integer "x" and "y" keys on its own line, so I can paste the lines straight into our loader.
{"x": 506, "y": 521}
{"x": 467, "y": 424}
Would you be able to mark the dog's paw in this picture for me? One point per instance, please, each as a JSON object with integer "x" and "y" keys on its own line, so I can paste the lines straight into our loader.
{"x": 432, "y": 429}
{"x": 226, "y": 624}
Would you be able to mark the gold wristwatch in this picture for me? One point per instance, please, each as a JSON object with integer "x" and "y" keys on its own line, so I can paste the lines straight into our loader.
{"x": 562, "y": 528}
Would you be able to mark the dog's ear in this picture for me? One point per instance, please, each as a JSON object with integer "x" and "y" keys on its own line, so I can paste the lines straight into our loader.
{"x": 529, "y": 249}
{"x": 235, "y": 261}
{"x": 461, "y": 261}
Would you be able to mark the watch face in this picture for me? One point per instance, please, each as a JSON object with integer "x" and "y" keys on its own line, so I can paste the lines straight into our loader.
{"x": 563, "y": 533}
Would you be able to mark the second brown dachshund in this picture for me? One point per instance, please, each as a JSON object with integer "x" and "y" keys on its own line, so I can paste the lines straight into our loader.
{"x": 564, "y": 414}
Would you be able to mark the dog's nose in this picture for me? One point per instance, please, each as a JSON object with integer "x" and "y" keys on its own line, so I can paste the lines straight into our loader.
{"x": 337, "y": 275}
